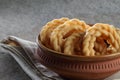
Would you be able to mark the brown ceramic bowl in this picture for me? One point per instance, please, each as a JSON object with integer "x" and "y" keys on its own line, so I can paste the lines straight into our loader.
{"x": 75, "y": 67}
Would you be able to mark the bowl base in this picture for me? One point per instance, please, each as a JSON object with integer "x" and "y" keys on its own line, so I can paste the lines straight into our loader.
{"x": 64, "y": 78}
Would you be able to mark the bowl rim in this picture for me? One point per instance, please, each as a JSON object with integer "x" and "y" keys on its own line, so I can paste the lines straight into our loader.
{"x": 77, "y": 57}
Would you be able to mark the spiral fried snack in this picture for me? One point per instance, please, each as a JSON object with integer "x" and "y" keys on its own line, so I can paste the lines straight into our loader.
{"x": 48, "y": 28}
{"x": 118, "y": 31}
{"x": 105, "y": 32}
{"x": 63, "y": 31}
{"x": 72, "y": 45}
{"x": 100, "y": 47}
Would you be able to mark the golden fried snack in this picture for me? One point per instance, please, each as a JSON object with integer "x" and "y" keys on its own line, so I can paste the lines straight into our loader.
{"x": 104, "y": 31}
{"x": 100, "y": 47}
{"x": 118, "y": 31}
{"x": 63, "y": 31}
{"x": 48, "y": 28}
{"x": 72, "y": 44}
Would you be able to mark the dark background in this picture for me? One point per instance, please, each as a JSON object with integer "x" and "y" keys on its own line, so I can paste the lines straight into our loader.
{"x": 24, "y": 18}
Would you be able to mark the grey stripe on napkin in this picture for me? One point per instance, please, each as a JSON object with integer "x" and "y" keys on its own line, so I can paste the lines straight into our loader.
{"x": 23, "y": 52}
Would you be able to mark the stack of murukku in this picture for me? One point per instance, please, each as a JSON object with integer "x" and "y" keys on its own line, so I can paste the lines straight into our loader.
{"x": 75, "y": 37}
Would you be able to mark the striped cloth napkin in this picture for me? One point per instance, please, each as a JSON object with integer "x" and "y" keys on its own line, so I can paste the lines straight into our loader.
{"x": 23, "y": 52}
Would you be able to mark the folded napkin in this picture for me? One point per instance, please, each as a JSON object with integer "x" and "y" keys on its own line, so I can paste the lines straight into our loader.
{"x": 23, "y": 52}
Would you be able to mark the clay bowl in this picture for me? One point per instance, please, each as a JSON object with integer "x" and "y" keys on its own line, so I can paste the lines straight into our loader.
{"x": 75, "y": 67}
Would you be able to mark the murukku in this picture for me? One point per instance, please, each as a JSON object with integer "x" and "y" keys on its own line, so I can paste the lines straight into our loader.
{"x": 63, "y": 31}
{"x": 100, "y": 47}
{"x": 48, "y": 28}
{"x": 99, "y": 30}
{"x": 118, "y": 31}
{"x": 72, "y": 44}
{"x": 75, "y": 37}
